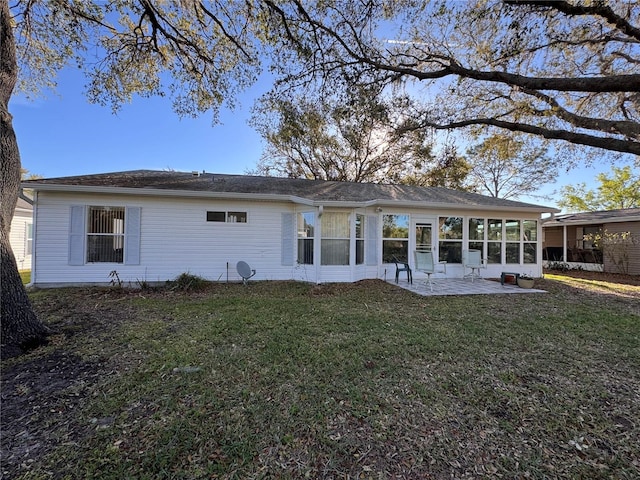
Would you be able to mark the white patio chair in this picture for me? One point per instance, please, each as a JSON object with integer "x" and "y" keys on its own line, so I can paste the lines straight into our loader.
{"x": 245, "y": 271}
{"x": 425, "y": 263}
{"x": 472, "y": 260}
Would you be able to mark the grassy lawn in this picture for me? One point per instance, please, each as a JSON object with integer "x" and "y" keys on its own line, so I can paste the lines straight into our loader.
{"x": 290, "y": 380}
{"x": 25, "y": 275}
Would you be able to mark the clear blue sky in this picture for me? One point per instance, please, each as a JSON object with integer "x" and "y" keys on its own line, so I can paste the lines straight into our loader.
{"x": 63, "y": 134}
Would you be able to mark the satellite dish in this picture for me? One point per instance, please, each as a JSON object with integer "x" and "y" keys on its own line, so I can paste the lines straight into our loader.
{"x": 245, "y": 271}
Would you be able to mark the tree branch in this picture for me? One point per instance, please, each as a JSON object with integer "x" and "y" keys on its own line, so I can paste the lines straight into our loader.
{"x": 227, "y": 35}
{"x": 627, "y": 128}
{"x": 611, "y": 83}
{"x": 600, "y": 9}
{"x": 612, "y": 144}
{"x": 90, "y": 18}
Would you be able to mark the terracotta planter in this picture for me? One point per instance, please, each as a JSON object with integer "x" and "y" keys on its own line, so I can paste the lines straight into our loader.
{"x": 525, "y": 282}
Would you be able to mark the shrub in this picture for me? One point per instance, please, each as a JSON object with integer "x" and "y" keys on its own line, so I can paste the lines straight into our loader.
{"x": 559, "y": 266}
{"x": 187, "y": 282}
{"x": 616, "y": 247}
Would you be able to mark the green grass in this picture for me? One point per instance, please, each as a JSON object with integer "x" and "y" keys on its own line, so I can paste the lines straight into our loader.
{"x": 289, "y": 380}
{"x": 25, "y": 275}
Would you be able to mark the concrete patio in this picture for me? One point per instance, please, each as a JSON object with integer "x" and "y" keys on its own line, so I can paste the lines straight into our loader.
{"x": 460, "y": 286}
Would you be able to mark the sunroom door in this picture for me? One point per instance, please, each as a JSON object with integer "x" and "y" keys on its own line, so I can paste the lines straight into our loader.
{"x": 423, "y": 235}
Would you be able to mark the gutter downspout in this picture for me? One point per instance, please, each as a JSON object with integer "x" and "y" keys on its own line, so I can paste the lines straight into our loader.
{"x": 34, "y": 234}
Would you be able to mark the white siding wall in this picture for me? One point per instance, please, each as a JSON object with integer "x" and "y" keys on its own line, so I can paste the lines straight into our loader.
{"x": 18, "y": 238}
{"x": 175, "y": 238}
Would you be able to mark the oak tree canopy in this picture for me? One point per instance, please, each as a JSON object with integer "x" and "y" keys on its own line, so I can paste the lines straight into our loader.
{"x": 560, "y": 70}
{"x": 349, "y": 139}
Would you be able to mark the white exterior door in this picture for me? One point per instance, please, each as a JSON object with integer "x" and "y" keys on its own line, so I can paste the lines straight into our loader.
{"x": 423, "y": 238}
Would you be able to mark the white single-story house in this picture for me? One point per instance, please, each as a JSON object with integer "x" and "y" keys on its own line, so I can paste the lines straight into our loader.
{"x": 569, "y": 239}
{"x": 151, "y": 226}
{"x": 21, "y": 236}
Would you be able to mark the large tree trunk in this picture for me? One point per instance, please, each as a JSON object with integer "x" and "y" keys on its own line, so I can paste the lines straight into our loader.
{"x": 21, "y": 328}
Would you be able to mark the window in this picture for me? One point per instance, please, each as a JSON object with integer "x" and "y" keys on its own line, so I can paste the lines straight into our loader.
{"x": 334, "y": 246}
{"x": 423, "y": 237}
{"x": 477, "y": 233}
{"x": 395, "y": 237}
{"x": 105, "y": 234}
{"x": 228, "y": 217}
{"x": 512, "y": 248}
{"x": 530, "y": 241}
{"x": 508, "y": 241}
{"x": 237, "y": 217}
{"x": 360, "y": 229}
{"x": 450, "y": 239}
{"x": 494, "y": 240}
{"x": 216, "y": 216}
{"x": 306, "y": 223}
{"x": 28, "y": 248}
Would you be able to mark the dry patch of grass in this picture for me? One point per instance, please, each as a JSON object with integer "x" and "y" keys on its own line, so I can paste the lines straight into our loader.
{"x": 598, "y": 285}
{"x": 290, "y": 380}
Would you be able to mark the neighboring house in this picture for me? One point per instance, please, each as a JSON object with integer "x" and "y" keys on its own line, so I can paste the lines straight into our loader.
{"x": 151, "y": 226}
{"x": 21, "y": 237}
{"x": 569, "y": 239}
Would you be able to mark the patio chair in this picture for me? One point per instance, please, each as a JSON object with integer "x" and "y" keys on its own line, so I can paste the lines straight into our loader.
{"x": 245, "y": 271}
{"x": 425, "y": 263}
{"x": 402, "y": 267}
{"x": 472, "y": 259}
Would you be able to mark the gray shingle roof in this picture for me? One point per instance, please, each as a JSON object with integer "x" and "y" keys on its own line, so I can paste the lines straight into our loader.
{"x": 312, "y": 190}
{"x": 602, "y": 216}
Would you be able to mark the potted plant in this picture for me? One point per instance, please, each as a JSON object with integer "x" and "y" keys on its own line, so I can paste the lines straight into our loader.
{"x": 525, "y": 281}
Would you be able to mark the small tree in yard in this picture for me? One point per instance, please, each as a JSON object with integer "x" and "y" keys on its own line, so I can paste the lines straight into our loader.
{"x": 619, "y": 190}
{"x": 508, "y": 166}
{"x": 616, "y": 247}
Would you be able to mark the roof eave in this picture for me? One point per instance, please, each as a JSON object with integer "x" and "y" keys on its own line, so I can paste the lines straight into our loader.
{"x": 168, "y": 192}
{"x": 271, "y": 197}
{"x": 466, "y": 206}
{"x": 560, "y": 223}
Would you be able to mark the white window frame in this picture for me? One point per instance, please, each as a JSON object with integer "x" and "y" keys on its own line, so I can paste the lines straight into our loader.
{"x": 230, "y": 216}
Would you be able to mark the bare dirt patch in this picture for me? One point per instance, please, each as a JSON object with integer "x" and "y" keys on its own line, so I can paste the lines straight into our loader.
{"x": 41, "y": 390}
{"x": 37, "y": 399}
